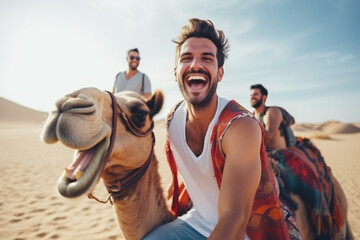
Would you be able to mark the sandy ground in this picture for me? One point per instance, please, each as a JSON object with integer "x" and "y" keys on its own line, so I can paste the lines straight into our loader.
{"x": 30, "y": 207}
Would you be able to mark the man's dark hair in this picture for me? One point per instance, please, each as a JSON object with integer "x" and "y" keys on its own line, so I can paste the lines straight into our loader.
{"x": 203, "y": 29}
{"x": 261, "y": 87}
{"x": 133, "y": 50}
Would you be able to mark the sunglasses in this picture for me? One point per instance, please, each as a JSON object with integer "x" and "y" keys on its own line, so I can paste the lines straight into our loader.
{"x": 133, "y": 57}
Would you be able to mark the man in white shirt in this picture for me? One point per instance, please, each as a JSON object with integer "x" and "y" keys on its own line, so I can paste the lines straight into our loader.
{"x": 222, "y": 197}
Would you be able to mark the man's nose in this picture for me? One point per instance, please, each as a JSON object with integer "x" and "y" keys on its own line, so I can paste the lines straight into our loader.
{"x": 195, "y": 63}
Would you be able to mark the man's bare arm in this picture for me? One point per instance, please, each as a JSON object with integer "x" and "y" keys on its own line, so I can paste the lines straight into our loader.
{"x": 272, "y": 120}
{"x": 241, "y": 177}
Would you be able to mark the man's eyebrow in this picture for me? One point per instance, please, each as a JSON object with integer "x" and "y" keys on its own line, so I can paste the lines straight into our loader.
{"x": 185, "y": 54}
{"x": 209, "y": 54}
{"x": 205, "y": 53}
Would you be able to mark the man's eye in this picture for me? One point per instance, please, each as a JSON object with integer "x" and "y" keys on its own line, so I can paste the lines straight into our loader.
{"x": 185, "y": 59}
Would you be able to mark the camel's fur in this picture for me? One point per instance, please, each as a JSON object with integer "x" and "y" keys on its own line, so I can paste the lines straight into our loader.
{"x": 83, "y": 119}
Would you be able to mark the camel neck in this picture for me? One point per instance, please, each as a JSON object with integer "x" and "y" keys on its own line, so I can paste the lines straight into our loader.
{"x": 144, "y": 206}
{"x": 123, "y": 184}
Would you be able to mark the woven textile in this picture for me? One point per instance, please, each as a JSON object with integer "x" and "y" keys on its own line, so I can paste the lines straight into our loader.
{"x": 305, "y": 173}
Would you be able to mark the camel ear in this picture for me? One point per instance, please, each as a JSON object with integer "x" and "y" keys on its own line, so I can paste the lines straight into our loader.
{"x": 155, "y": 103}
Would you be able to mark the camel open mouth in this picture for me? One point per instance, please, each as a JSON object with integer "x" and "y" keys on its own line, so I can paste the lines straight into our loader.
{"x": 84, "y": 172}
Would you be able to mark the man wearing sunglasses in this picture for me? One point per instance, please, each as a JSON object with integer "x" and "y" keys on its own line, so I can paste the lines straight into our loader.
{"x": 133, "y": 79}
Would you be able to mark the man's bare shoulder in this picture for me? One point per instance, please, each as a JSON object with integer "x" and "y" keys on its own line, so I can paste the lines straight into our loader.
{"x": 274, "y": 111}
{"x": 244, "y": 126}
{"x": 274, "y": 115}
{"x": 243, "y": 136}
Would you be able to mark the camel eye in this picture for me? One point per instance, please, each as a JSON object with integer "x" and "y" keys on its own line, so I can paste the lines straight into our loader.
{"x": 139, "y": 118}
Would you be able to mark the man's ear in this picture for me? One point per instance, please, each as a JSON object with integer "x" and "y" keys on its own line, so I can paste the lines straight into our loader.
{"x": 220, "y": 74}
{"x": 175, "y": 68}
{"x": 264, "y": 98}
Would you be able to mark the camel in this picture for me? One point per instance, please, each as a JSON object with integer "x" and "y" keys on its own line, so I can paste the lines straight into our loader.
{"x": 118, "y": 151}
{"x": 113, "y": 140}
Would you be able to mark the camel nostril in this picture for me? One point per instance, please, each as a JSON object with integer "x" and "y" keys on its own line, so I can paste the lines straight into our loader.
{"x": 78, "y": 105}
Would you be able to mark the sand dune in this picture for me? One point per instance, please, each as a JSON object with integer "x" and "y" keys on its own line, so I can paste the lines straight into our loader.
{"x": 331, "y": 127}
{"x": 14, "y": 113}
{"x": 30, "y": 207}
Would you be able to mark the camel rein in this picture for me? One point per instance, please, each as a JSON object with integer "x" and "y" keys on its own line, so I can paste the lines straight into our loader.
{"x": 117, "y": 188}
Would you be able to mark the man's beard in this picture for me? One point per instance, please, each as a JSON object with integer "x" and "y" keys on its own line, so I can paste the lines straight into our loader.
{"x": 133, "y": 67}
{"x": 204, "y": 102}
{"x": 257, "y": 103}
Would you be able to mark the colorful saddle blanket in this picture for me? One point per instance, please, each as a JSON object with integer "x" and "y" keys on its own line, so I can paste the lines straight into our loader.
{"x": 305, "y": 173}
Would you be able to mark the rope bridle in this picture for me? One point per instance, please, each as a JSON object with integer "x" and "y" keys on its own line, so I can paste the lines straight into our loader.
{"x": 117, "y": 188}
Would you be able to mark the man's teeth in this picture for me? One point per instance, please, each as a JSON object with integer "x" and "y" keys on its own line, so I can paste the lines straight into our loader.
{"x": 197, "y": 77}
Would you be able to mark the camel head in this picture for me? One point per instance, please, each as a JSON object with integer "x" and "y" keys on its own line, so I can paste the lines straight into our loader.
{"x": 83, "y": 120}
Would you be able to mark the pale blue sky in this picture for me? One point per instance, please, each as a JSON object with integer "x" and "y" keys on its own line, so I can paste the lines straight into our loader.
{"x": 307, "y": 53}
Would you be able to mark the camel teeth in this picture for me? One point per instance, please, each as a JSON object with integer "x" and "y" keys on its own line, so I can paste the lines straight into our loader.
{"x": 78, "y": 175}
{"x": 66, "y": 171}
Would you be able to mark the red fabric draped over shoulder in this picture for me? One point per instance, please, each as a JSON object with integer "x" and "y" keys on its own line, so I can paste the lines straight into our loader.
{"x": 266, "y": 219}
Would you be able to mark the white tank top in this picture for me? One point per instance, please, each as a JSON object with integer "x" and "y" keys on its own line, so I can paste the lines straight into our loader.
{"x": 197, "y": 172}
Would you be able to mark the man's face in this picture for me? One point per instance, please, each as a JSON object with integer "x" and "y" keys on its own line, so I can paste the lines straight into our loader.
{"x": 133, "y": 60}
{"x": 197, "y": 71}
{"x": 256, "y": 98}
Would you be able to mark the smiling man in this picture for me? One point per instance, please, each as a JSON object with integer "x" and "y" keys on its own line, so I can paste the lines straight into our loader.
{"x": 217, "y": 147}
{"x": 133, "y": 79}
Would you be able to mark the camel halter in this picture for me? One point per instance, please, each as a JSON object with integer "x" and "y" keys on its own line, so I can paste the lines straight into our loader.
{"x": 117, "y": 188}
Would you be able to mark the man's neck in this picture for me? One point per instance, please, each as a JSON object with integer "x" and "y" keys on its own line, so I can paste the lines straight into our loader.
{"x": 258, "y": 111}
{"x": 197, "y": 124}
{"x": 130, "y": 73}
{"x": 201, "y": 117}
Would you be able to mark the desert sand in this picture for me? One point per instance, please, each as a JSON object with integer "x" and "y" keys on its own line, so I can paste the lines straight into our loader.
{"x": 31, "y": 208}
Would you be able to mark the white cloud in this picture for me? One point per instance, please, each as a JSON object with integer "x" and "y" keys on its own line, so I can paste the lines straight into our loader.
{"x": 346, "y": 58}
{"x": 318, "y": 55}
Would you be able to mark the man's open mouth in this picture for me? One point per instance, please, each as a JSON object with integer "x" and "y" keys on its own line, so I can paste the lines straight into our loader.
{"x": 196, "y": 81}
